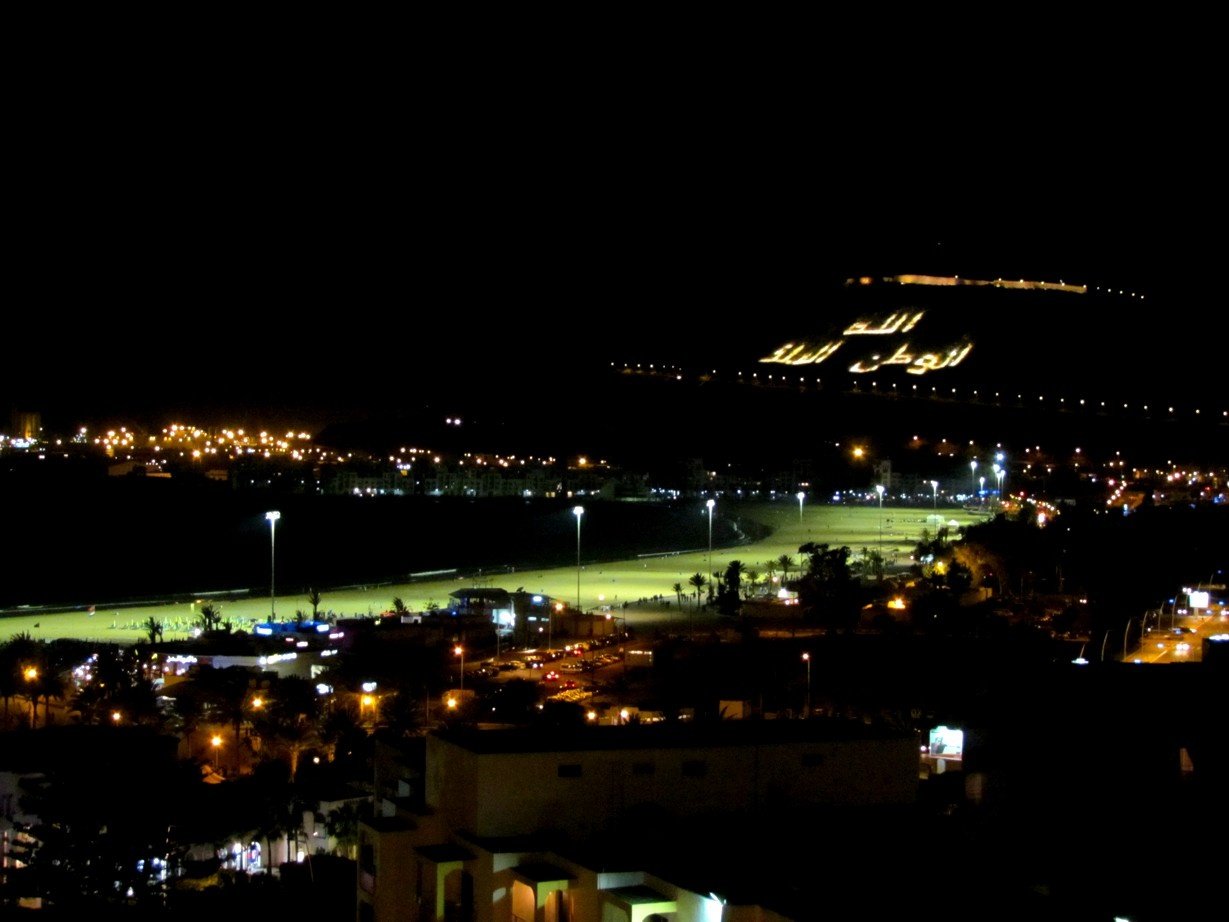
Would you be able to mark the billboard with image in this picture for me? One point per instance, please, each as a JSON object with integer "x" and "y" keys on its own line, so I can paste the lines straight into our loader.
{"x": 946, "y": 743}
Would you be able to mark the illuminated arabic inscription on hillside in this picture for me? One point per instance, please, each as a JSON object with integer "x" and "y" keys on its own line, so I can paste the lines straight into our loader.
{"x": 901, "y": 322}
{"x": 896, "y": 323}
{"x": 917, "y": 365}
{"x": 802, "y": 353}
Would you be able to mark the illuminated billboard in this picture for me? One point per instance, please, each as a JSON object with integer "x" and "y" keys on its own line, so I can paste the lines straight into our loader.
{"x": 1199, "y": 599}
{"x": 946, "y": 743}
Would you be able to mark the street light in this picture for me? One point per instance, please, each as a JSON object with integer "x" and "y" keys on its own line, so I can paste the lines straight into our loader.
{"x": 801, "y": 496}
{"x": 459, "y": 650}
{"x": 973, "y": 471}
{"x": 998, "y": 476}
{"x": 981, "y": 490}
{"x": 934, "y": 486}
{"x": 30, "y": 674}
{"x": 710, "y": 504}
{"x": 577, "y": 511}
{"x": 879, "y": 488}
{"x": 272, "y": 518}
{"x": 806, "y": 658}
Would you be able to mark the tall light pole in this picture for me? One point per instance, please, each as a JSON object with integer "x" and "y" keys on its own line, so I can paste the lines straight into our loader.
{"x": 801, "y": 497}
{"x": 710, "y": 504}
{"x": 577, "y": 511}
{"x": 879, "y": 488}
{"x": 806, "y": 658}
{"x": 973, "y": 472}
{"x": 981, "y": 490}
{"x": 934, "y": 486}
{"x": 1002, "y": 460}
{"x": 459, "y": 650}
{"x": 272, "y": 518}
{"x": 998, "y": 476}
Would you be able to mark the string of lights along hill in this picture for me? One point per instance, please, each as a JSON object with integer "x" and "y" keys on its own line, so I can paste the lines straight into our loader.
{"x": 908, "y": 336}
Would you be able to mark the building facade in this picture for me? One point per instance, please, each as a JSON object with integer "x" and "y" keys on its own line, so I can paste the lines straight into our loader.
{"x": 519, "y": 825}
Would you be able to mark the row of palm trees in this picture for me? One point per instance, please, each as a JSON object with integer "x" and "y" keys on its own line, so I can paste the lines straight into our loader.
{"x": 749, "y": 580}
{"x": 209, "y": 618}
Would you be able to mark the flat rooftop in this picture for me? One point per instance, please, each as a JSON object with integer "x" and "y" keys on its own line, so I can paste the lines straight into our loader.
{"x": 733, "y": 734}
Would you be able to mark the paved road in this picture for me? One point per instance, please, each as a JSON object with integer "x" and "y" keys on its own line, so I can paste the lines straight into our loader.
{"x": 1164, "y": 644}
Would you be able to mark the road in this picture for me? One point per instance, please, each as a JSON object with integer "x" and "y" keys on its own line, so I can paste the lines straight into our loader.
{"x": 1181, "y": 643}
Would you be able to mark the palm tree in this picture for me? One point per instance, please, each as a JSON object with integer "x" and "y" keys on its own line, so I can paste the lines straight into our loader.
{"x": 753, "y": 577}
{"x": 871, "y": 563}
{"x": 188, "y": 713}
{"x": 153, "y": 629}
{"x": 699, "y": 582}
{"x": 290, "y": 720}
{"x": 313, "y": 599}
{"x": 785, "y": 562}
{"x": 11, "y": 655}
{"x": 770, "y": 570}
{"x": 399, "y": 606}
{"x": 342, "y": 825}
{"x": 210, "y": 617}
{"x": 21, "y": 653}
{"x": 226, "y": 690}
{"x": 678, "y": 591}
{"x": 48, "y": 685}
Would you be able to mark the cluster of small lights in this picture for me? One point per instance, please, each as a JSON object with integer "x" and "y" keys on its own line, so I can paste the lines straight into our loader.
{"x": 115, "y": 439}
{"x": 508, "y": 462}
{"x": 234, "y": 443}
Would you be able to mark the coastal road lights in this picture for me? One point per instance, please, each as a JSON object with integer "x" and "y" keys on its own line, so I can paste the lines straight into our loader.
{"x": 934, "y": 486}
{"x": 998, "y": 476}
{"x": 272, "y": 518}
{"x": 973, "y": 472}
{"x": 801, "y": 496}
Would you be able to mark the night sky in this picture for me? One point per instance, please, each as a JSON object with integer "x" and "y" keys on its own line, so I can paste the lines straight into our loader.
{"x": 322, "y": 258}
